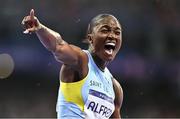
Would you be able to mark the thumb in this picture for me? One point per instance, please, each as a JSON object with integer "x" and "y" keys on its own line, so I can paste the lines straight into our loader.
{"x": 32, "y": 14}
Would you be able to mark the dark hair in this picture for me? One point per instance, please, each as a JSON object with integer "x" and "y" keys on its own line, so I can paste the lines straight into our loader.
{"x": 94, "y": 22}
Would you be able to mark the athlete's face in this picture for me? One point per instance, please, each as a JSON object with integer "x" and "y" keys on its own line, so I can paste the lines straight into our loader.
{"x": 106, "y": 38}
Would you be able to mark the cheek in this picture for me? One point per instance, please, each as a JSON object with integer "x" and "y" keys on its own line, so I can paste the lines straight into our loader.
{"x": 119, "y": 44}
{"x": 99, "y": 40}
{"x": 97, "y": 45}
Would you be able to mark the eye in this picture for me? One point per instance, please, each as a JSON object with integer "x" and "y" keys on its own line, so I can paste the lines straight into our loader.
{"x": 104, "y": 30}
{"x": 117, "y": 32}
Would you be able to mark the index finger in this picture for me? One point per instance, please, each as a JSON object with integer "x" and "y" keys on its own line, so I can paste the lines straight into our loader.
{"x": 32, "y": 13}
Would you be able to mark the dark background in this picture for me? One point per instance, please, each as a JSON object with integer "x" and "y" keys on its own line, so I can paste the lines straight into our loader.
{"x": 147, "y": 65}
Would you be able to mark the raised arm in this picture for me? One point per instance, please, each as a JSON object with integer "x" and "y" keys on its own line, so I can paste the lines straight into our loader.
{"x": 63, "y": 52}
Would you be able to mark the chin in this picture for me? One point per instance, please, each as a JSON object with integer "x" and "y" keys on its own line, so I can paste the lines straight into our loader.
{"x": 109, "y": 59}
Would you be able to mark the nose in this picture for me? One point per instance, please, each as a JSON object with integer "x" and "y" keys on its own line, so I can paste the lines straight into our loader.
{"x": 111, "y": 35}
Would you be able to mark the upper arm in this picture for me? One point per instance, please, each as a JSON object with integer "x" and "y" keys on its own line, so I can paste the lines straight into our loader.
{"x": 118, "y": 98}
{"x": 63, "y": 52}
{"x": 69, "y": 54}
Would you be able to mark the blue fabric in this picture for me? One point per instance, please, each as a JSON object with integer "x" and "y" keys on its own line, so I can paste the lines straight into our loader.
{"x": 98, "y": 81}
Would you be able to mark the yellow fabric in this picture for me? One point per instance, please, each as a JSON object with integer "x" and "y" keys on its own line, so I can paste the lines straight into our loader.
{"x": 72, "y": 92}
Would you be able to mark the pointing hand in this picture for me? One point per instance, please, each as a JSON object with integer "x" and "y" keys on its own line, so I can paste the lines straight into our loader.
{"x": 30, "y": 23}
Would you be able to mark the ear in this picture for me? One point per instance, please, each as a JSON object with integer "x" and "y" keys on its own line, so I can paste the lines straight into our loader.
{"x": 89, "y": 36}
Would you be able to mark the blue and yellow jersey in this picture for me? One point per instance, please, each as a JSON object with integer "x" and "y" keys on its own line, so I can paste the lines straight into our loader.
{"x": 90, "y": 98}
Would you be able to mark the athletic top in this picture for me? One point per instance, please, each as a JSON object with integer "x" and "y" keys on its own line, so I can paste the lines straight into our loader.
{"x": 90, "y": 98}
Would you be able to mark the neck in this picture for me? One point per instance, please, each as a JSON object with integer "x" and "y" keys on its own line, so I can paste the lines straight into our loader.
{"x": 99, "y": 62}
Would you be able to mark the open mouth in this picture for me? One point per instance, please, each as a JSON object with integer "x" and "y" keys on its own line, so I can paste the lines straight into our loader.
{"x": 109, "y": 48}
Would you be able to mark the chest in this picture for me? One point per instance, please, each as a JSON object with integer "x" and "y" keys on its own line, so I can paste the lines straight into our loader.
{"x": 98, "y": 95}
{"x": 101, "y": 83}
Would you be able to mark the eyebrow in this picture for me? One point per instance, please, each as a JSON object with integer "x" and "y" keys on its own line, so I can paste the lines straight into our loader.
{"x": 116, "y": 28}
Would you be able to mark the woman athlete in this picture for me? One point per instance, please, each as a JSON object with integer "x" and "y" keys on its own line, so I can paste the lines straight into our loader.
{"x": 87, "y": 88}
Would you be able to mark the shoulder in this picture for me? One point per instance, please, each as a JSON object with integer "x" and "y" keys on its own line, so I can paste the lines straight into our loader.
{"x": 116, "y": 84}
{"x": 78, "y": 50}
{"x": 82, "y": 56}
{"x": 77, "y": 72}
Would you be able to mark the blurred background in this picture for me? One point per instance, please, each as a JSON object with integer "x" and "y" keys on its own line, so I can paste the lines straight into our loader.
{"x": 147, "y": 66}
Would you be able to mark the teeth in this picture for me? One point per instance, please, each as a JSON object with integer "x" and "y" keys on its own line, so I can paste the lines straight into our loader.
{"x": 113, "y": 44}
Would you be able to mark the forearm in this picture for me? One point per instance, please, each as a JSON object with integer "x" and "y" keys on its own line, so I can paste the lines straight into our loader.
{"x": 49, "y": 38}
